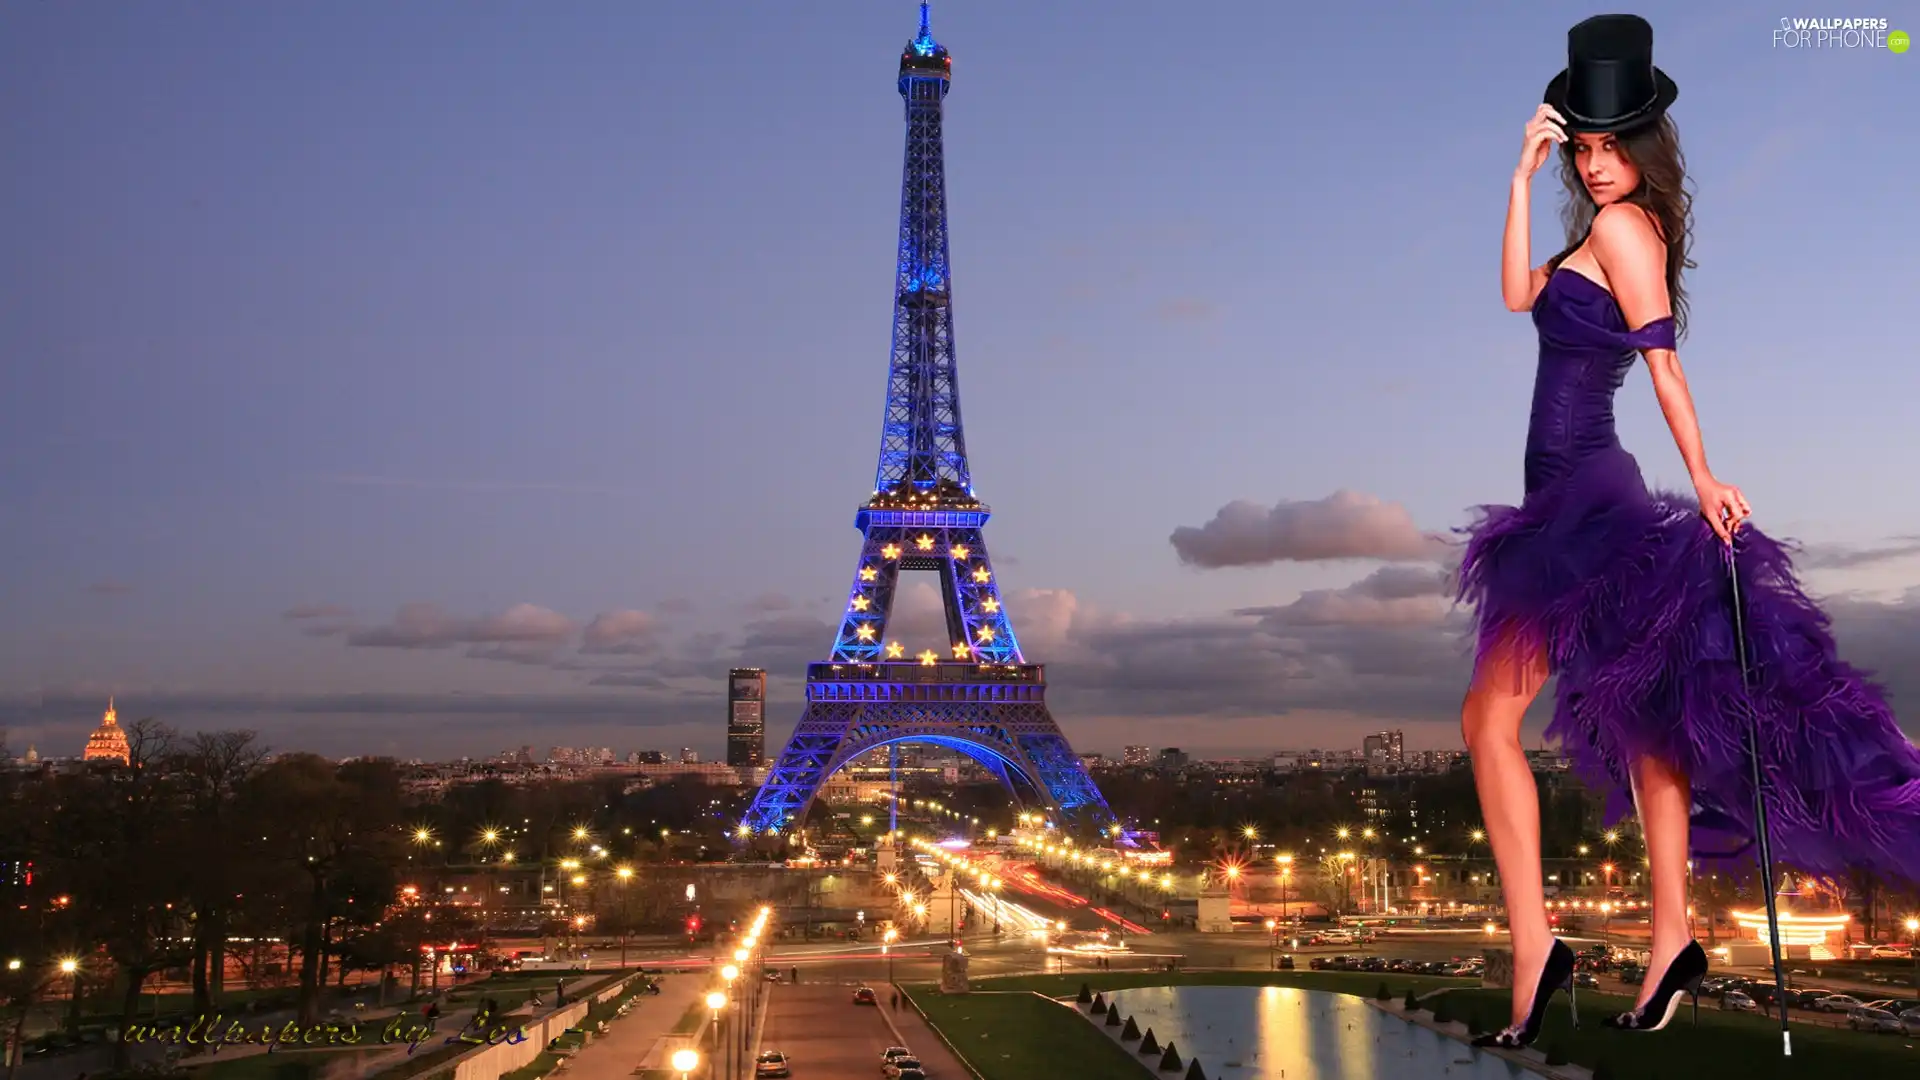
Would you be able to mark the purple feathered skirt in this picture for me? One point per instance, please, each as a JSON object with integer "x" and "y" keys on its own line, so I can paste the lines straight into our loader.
{"x": 1629, "y": 594}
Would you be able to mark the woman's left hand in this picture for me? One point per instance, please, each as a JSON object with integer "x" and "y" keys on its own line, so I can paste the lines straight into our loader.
{"x": 1723, "y": 506}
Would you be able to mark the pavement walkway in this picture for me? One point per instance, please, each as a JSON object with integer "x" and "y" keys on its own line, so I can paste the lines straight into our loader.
{"x": 632, "y": 1042}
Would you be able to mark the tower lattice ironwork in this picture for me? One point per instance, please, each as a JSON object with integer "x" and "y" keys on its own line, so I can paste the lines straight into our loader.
{"x": 979, "y": 696}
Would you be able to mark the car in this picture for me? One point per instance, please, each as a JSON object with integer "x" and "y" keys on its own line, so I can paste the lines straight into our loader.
{"x": 771, "y": 1063}
{"x": 911, "y": 1074}
{"x": 1838, "y": 1003}
{"x": 1586, "y": 980}
{"x": 892, "y": 1052}
{"x": 1910, "y": 1022}
{"x": 1880, "y": 1020}
{"x": 1738, "y": 1001}
{"x": 865, "y": 996}
{"x": 901, "y": 1066}
{"x": 1892, "y": 952}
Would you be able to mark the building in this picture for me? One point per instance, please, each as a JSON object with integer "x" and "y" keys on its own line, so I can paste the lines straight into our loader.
{"x": 689, "y": 756}
{"x": 1137, "y": 755}
{"x": 1385, "y": 748}
{"x": 1173, "y": 758}
{"x": 746, "y": 717}
{"x": 108, "y": 741}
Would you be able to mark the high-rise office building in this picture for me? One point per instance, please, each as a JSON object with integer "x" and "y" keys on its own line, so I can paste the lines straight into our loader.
{"x": 1137, "y": 755}
{"x": 746, "y": 717}
{"x": 1385, "y": 748}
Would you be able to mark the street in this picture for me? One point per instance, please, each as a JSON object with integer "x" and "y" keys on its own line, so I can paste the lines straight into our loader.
{"x": 827, "y": 1036}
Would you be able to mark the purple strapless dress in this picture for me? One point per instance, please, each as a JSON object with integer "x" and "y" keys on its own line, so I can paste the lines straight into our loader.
{"x": 1628, "y": 592}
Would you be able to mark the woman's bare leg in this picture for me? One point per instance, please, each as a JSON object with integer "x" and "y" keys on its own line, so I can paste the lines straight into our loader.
{"x": 1506, "y": 681}
{"x": 1663, "y": 798}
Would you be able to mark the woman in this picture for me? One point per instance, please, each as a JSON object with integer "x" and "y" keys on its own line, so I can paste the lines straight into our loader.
{"x": 1624, "y": 594}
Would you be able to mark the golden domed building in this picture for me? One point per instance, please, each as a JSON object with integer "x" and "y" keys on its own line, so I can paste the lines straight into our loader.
{"x": 108, "y": 742}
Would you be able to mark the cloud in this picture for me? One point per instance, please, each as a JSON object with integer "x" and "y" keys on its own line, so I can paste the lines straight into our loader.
{"x": 1344, "y": 525}
{"x": 315, "y": 611}
{"x": 770, "y": 602}
{"x": 110, "y": 588}
{"x": 1390, "y": 596}
{"x": 1837, "y": 557}
{"x": 626, "y": 631}
{"x": 427, "y": 626}
{"x": 676, "y": 605}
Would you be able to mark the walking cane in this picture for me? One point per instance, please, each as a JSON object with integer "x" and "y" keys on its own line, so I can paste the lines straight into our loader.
{"x": 1761, "y": 838}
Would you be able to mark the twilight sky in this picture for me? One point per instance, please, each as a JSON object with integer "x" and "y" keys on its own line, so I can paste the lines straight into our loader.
{"x": 437, "y": 378}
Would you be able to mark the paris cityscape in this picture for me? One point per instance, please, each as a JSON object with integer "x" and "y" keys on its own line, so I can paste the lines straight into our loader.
{"x": 984, "y": 814}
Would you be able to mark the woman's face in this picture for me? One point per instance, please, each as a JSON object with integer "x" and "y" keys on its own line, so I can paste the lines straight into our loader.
{"x": 1603, "y": 167}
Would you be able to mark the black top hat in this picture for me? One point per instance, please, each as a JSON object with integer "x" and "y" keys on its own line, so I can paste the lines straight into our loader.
{"x": 1610, "y": 83}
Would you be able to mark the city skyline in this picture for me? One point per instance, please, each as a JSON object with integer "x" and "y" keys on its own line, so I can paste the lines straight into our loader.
{"x": 415, "y": 386}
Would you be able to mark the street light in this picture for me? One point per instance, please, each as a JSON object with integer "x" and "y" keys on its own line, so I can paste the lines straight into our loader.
{"x": 1273, "y": 940}
{"x": 684, "y": 1062}
{"x": 1913, "y": 950}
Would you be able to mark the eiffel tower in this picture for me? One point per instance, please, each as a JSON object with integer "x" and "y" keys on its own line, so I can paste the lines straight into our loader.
{"x": 980, "y": 696}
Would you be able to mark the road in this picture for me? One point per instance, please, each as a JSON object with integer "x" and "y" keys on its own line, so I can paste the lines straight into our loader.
{"x": 830, "y": 1038}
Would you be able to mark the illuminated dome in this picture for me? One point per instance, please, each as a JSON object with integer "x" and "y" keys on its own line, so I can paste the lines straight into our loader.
{"x": 108, "y": 742}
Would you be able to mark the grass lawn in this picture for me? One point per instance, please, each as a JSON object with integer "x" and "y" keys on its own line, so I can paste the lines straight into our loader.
{"x": 1024, "y": 1035}
{"x": 1735, "y": 1044}
{"x": 280, "y": 1065}
{"x": 541, "y": 1065}
{"x": 690, "y": 1022}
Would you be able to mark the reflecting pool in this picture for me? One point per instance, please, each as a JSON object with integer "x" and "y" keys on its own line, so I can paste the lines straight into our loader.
{"x": 1285, "y": 1033}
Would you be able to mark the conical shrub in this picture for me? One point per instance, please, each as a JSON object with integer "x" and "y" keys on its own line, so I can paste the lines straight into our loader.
{"x": 1557, "y": 1052}
{"x": 1443, "y": 1010}
{"x": 1149, "y": 1045}
{"x": 1381, "y": 993}
{"x": 1170, "y": 1061}
{"x": 1113, "y": 1017}
{"x": 1412, "y": 1003}
{"x": 1086, "y": 994}
{"x": 1099, "y": 1004}
{"x": 1475, "y": 1025}
{"x": 1194, "y": 1072}
{"x": 1131, "y": 1031}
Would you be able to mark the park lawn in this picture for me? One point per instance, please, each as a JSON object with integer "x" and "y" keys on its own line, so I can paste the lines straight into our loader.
{"x": 542, "y": 1064}
{"x": 691, "y": 1020}
{"x": 1729, "y": 1043}
{"x": 279, "y": 1065}
{"x": 1017, "y": 1036}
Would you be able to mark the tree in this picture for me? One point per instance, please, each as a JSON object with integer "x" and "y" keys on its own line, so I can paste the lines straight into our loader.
{"x": 213, "y": 770}
{"x": 124, "y": 854}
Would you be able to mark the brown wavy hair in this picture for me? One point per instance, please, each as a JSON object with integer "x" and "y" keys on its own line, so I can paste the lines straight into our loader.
{"x": 1654, "y": 149}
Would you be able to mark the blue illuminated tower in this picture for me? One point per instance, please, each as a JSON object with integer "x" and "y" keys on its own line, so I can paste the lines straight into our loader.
{"x": 979, "y": 695}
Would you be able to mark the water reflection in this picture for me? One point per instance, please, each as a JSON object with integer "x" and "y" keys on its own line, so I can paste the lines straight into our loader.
{"x": 1284, "y": 1033}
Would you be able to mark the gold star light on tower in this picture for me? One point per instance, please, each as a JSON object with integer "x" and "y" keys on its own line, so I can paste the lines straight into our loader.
{"x": 865, "y": 632}
{"x": 986, "y": 633}
{"x": 868, "y": 573}
{"x": 960, "y": 551}
{"x": 960, "y": 650}
{"x": 981, "y": 574}
{"x": 895, "y": 650}
{"x": 927, "y": 658}
{"x": 859, "y": 603}
{"x": 990, "y": 605}
{"x": 891, "y": 551}
{"x": 925, "y": 543}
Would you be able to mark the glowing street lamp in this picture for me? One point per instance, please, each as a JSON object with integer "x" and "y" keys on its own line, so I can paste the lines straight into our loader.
{"x": 685, "y": 1061}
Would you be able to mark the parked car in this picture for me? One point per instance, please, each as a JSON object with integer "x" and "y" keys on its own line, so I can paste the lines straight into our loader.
{"x": 1892, "y": 952}
{"x": 898, "y": 1066}
{"x": 1838, "y": 1003}
{"x": 865, "y": 996}
{"x": 1738, "y": 1001}
{"x": 1876, "y": 1020}
{"x": 1586, "y": 980}
{"x": 1910, "y": 1022}
{"x": 771, "y": 1063}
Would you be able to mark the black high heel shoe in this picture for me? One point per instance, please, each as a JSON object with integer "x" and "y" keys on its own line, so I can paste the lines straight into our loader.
{"x": 1557, "y": 975}
{"x": 1682, "y": 975}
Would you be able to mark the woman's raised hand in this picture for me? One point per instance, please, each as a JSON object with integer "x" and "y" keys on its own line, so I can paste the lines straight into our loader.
{"x": 1544, "y": 132}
